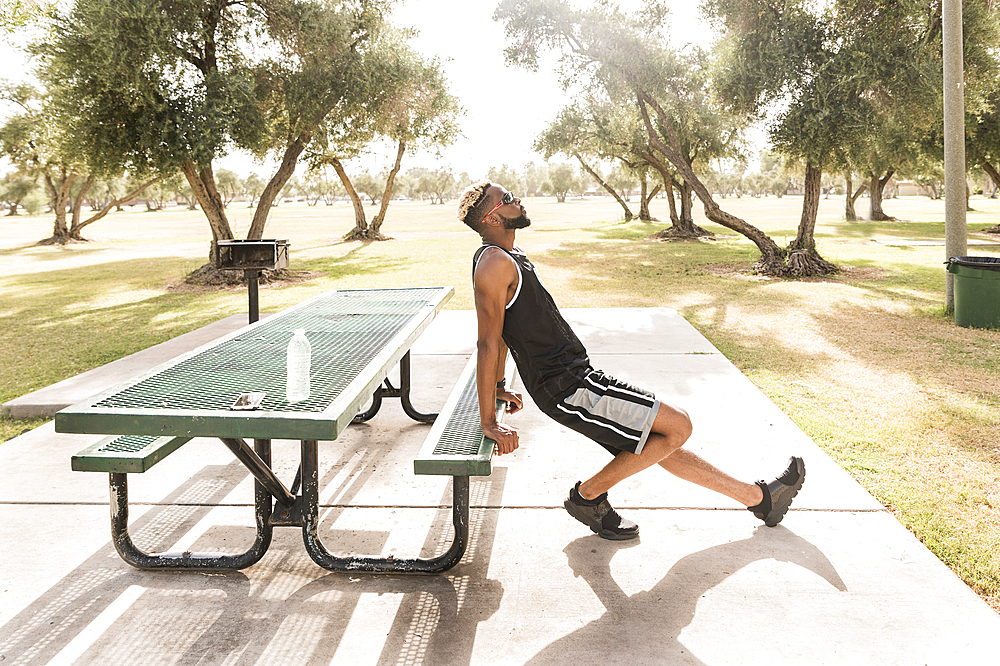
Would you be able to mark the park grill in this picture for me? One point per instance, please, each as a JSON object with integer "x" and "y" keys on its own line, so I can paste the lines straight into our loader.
{"x": 252, "y": 257}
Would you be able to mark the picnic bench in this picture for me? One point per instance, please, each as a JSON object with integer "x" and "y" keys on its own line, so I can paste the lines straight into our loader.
{"x": 357, "y": 337}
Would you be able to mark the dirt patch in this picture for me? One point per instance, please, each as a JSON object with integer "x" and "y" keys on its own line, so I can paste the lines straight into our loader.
{"x": 846, "y": 274}
{"x": 672, "y": 234}
{"x": 740, "y": 271}
{"x": 209, "y": 278}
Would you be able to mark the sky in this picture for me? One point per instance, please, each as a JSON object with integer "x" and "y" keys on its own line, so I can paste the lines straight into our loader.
{"x": 506, "y": 108}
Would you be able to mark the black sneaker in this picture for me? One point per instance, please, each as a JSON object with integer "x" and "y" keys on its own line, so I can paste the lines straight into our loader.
{"x": 778, "y": 494}
{"x": 598, "y": 515}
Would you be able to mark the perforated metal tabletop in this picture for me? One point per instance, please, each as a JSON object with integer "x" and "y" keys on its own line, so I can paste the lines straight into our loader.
{"x": 357, "y": 336}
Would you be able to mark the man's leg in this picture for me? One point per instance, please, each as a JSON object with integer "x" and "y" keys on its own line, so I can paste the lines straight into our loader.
{"x": 670, "y": 431}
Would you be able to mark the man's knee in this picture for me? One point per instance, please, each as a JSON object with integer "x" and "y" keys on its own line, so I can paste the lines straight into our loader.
{"x": 673, "y": 423}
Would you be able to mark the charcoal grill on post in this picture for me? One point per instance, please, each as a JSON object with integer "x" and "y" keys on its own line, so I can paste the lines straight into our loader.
{"x": 252, "y": 257}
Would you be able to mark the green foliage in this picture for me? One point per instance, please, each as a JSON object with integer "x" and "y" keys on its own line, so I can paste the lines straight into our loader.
{"x": 506, "y": 177}
{"x": 563, "y": 180}
{"x": 230, "y": 185}
{"x": 439, "y": 184}
{"x": 16, "y": 14}
{"x": 15, "y": 187}
{"x": 369, "y": 185}
{"x": 623, "y": 180}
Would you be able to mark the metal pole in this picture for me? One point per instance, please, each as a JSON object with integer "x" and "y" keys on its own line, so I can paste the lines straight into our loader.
{"x": 954, "y": 141}
{"x": 252, "y": 275}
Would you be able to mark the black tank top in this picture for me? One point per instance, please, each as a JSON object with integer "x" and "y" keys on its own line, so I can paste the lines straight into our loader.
{"x": 551, "y": 360}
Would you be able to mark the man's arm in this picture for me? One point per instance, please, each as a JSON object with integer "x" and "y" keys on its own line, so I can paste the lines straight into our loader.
{"x": 512, "y": 398}
{"x": 493, "y": 278}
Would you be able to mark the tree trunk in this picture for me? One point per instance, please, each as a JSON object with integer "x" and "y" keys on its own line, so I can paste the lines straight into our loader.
{"x": 644, "y": 200}
{"x": 275, "y": 185}
{"x": 75, "y": 230}
{"x": 202, "y": 182}
{"x": 387, "y": 195}
{"x": 78, "y": 207}
{"x": 59, "y": 198}
{"x": 593, "y": 174}
{"x": 669, "y": 185}
{"x": 360, "y": 230}
{"x": 995, "y": 177}
{"x": 684, "y": 226}
{"x": 875, "y": 187}
{"x": 687, "y": 214}
{"x": 803, "y": 259}
{"x": 772, "y": 260}
{"x": 850, "y": 214}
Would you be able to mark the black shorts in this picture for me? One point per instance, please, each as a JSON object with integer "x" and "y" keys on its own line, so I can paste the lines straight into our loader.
{"x": 616, "y": 415}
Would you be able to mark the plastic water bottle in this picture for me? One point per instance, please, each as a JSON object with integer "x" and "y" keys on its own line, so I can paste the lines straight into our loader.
{"x": 299, "y": 360}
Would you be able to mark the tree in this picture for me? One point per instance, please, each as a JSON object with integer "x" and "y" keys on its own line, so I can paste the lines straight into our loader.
{"x": 230, "y": 185}
{"x": 36, "y": 144}
{"x": 574, "y": 134}
{"x": 506, "y": 177}
{"x": 897, "y": 50}
{"x": 407, "y": 104}
{"x": 439, "y": 184}
{"x": 16, "y": 14}
{"x": 252, "y": 187}
{"x": 623, "y": 181}
{"x": 622, "y": 53}
{"x": 563, "y": 181}
{"x": 14, "y": 188}
{"x": 368, "y": 185}
{"x": 318, "y": 186}
{"x": 154, "y": 88}
{"x": 795, "y": 54}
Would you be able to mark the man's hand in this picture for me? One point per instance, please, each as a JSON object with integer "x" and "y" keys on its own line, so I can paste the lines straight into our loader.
{"x": 513, "y": 399}
{"x": 503, "y": 435}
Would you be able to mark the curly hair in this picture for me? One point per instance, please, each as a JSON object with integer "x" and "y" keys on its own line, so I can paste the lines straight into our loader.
{"x": 472, "y": 205}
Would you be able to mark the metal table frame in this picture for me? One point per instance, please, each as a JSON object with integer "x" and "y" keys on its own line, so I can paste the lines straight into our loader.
{"x": 275, "y": 505}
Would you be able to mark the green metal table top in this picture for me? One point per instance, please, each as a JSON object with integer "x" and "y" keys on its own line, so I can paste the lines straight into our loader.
{"x": 356, "y": 336}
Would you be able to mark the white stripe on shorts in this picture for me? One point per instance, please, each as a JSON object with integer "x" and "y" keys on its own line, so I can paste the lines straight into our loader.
{"x": 645, "y": 399}
{"x": 598, "y": 423}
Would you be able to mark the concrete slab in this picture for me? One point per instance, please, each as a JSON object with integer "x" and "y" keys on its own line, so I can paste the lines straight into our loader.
{"x": 928, "y": 243}
{"x": 839, "y": 581}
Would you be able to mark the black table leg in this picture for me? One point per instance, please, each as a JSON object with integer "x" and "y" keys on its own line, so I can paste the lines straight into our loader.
{"x": 403, "y": 393}
{"x": 203, "y": 561}
{"x": 348, "y": 564}
{"x": 261, "y": 470}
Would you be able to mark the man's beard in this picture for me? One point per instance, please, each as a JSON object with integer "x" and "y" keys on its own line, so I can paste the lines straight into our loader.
{"x": 519, "y": 222}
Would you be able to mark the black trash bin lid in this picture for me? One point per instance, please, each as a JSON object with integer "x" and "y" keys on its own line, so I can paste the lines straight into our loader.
{"x": 984, "y": 263}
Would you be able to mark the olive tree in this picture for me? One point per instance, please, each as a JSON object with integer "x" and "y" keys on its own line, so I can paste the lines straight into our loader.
{"x": 627, "y": 54}
{"x": 575, "y": 134}
{"x": 36, "y": 142}
{"x": 407, "y": 104}
{"x": 153, "y": 87}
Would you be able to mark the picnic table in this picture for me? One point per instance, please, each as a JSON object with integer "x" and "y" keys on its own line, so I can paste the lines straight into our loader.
{"x": 357, "y": 338}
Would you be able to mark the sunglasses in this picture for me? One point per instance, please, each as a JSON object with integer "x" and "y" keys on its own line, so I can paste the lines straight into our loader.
{"x": 507, "y": 198}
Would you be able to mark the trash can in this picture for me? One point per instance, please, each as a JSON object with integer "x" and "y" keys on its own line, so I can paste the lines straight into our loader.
{"x": 977, "y": 291}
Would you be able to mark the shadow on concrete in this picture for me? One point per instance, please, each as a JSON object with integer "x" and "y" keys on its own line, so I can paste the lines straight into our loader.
{"x": 285, "y": 609}
{"x": 652, "y": 621}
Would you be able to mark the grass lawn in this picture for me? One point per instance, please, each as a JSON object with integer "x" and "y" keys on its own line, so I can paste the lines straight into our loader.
{"x": 866, "y": 362}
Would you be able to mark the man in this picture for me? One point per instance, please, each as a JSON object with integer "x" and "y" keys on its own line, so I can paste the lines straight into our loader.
{"x": 514, "y": 310}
